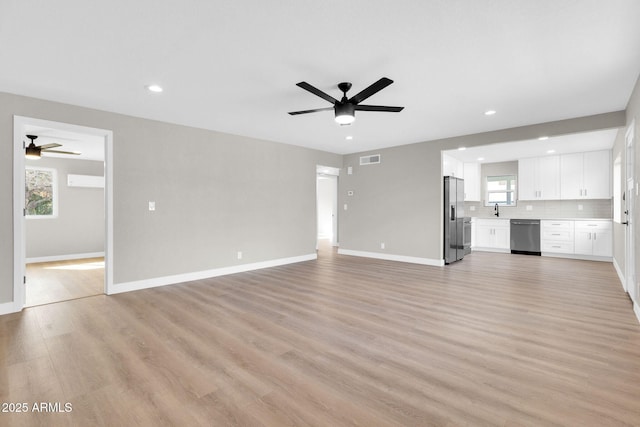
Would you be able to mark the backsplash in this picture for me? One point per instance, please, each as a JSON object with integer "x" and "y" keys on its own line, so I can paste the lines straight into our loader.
{"x": 547, "y": 209}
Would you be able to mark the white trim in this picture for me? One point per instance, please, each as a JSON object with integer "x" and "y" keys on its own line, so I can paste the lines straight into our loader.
{"x": 497, "y": 250}
{"x": 392, "y": 257}
{"x": 577, "y": 256}
{"x": 19, "y": 250}
{"x": 199, "y": 275}
{"x": 620, "y": 274}
{"x": 7, "y": 308}
{"x": 64, "y": 257}
{"x": 636, "y": 310}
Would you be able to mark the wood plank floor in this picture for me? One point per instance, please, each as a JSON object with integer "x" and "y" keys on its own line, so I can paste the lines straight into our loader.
{"x": 494, "y": 340}
{"x": 49, "y": 282}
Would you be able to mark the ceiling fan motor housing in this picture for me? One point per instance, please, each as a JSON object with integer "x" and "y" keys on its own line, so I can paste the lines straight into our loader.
{"x": 345, "y": 112}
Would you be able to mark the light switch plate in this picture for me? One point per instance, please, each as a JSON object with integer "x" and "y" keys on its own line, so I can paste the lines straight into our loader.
{"x": 349, "y": 170}
{"x": 152, "y": 206}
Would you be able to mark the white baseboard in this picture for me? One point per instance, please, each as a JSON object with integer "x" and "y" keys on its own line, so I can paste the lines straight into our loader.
{"x": 199, "y": 275}
{"x": 636, "y": 310}
{"x": 579, "y": 257}
{"x": 64, "y": 257}
{"x": 391, "y": 257}
{"x": 497, "y": 250}
{"x": 7, "y": 307}
{"x": 620, "y": 274}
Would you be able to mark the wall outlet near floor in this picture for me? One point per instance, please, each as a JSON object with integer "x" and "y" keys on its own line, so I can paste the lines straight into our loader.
{"x": 529, "y": 207}
{"x": 239, "y": 255}
{"x": 382, "y": 245}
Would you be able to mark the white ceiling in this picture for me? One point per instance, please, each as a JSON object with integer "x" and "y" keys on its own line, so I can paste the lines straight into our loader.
{"x": 565, "y": 144}
{"x": 232, "y": 66}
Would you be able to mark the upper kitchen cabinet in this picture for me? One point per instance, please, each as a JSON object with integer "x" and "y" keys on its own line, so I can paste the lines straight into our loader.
{"x": 539, "y": 178}
{"x": 472, "y": 190}
{"x": 585, "y": 175}
{"x": 452, "y": 166}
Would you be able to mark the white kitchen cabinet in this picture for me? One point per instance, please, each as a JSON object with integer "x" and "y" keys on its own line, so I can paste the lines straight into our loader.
{"x": 471, "y": 177}
{"x": 452, "y": 166}
{"x": 594, "y": 238}
{"x": 539, "y": 178}
{"x": 557, "y": 236}
{"x": 585, "y": 175}
{"x": 492, "y": 235}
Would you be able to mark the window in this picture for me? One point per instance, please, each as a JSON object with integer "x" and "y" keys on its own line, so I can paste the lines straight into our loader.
{"x": 41, "y": 198}
{"x": 501, "y": 190}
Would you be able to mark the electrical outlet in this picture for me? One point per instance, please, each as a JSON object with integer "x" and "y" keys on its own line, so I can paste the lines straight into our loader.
{"x": 472, "y": 208}
{"x": 382, "y": 245}
{"x": 349, "y": 170}
{"x": 239, "y": 255}
{"x": 529, "y": 207}
{"x": 345, "y": 207}
{"x": 152, "y": 206}
{"x": 580, "y": 207}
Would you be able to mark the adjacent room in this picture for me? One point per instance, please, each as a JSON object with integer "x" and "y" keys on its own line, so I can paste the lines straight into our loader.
{"x": 319, "y": 213}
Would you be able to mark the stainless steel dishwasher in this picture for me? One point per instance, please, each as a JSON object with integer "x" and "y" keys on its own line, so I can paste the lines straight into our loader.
{"x": 525, "y": 236}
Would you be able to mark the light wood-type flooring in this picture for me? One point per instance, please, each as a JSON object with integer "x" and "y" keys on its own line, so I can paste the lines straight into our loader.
{"x": 494, "y": 340}
{"x": 56, "y": 281}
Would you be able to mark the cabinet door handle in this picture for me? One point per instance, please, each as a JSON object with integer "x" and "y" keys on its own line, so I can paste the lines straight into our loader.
{"x": 585, "y": 191}
{"x": 555, "y": 234}
{"x": 556, "y": 247}
{"x": 589, "y": 236}
{"x": 594, "y": 236}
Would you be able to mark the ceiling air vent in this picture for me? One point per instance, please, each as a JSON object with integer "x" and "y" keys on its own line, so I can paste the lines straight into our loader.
{"x": 370, "y": 160}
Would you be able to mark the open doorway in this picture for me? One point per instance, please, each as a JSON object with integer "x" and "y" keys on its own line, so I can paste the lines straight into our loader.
{"x": 327, "y": 207}
{"x": 63, "y": 195}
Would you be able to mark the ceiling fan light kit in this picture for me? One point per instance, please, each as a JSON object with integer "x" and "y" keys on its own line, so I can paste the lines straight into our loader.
{"x": 345, "y": 108}
{"x": 34, "y": 152}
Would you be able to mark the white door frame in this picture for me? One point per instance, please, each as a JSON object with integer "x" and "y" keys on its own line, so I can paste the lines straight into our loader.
{"x": 333, "y": 174}
{"x": 630, "y": 195}
{"x": 19, "y": 247}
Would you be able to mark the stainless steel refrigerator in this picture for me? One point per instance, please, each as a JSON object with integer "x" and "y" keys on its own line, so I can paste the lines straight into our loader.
{"x": 453, "y": 219}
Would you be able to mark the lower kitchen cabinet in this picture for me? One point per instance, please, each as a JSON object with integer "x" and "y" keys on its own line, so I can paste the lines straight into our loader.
{"x": 492, "y": 235}
{"x": 557, "y": 236}
{"x": 594, "y": 238}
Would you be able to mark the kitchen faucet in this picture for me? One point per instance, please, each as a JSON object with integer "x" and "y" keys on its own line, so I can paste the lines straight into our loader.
{"x": 496, "y": 211}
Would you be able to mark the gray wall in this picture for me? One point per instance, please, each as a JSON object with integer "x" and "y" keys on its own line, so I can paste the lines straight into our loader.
{"x": 399, "y": 201}
{"x": 619, "y": 230}
{"x": 215, "y": 194}
{"x": 79, "y": 227}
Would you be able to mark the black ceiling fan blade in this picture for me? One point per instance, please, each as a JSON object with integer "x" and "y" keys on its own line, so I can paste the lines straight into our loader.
{"x": 62, "y": 152}
{"x": 371, "y": 90}
{"x": 47, "y": 146}
{"x": 317, "y": 92}
{"x": 379, "y": 108}
{"x": 295, "y": 113}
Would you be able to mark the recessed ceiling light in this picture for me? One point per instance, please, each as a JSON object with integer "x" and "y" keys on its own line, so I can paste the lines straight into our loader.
{"x": 551, "y": 151}
{"x": 490, "y": 112}
{"x": 480, "y": 159}
{"x": 462, "y": 148}
{"x": 543, "y": 138}
{"x": 154, "y": 88}
{"x": 348, "y": 138}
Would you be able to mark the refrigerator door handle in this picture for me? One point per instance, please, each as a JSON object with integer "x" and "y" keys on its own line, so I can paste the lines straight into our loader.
{"x": 453, "y": 212}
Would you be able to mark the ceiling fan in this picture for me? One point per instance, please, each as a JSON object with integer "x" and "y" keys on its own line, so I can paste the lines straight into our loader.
{"x": 33, "y": 151}
{"x": 345, "y": 108}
